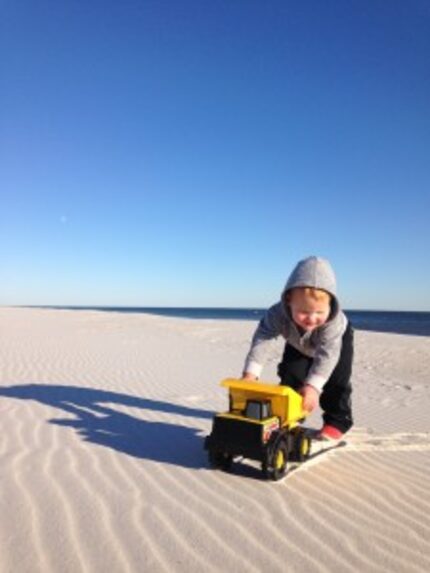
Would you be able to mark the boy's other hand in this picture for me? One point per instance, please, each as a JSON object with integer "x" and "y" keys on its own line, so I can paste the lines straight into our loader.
{"x": 248, "y": 376}
{"x": 310, "y": 397}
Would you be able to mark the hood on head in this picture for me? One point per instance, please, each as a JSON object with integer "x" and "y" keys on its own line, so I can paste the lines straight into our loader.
{"x": 314, "y": 272}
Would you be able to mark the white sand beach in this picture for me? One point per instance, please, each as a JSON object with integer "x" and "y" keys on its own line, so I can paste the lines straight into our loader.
{"x": 102, "y": 422}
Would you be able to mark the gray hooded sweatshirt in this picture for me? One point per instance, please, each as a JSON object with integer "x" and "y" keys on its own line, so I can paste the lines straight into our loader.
{"x": 323, "y": 344}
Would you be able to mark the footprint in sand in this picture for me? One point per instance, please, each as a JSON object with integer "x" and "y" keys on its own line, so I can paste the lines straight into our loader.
{"x": 363, "y": 441}
{"x": 418, "y": 441}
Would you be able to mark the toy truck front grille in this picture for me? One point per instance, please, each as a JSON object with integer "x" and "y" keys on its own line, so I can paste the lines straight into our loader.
{"x": 239, "y": 436}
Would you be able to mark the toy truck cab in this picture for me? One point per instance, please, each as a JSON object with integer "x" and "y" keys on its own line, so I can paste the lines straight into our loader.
{"x": 262, "y": 424}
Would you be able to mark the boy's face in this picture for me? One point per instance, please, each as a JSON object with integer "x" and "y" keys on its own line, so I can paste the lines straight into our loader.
{"x": 307, "y": 312}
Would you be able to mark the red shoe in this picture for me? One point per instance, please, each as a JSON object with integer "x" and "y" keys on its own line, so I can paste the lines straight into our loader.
{"x": 328, "y": 432}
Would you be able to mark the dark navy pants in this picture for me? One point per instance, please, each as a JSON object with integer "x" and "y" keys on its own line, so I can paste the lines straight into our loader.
{"x": 335, "y": 398}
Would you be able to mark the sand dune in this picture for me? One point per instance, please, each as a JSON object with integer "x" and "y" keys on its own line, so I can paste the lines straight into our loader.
{"x": 102, "y": 423}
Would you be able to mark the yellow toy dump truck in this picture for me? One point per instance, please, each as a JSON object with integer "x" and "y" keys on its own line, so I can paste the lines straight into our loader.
{"x": 263, "y": 424}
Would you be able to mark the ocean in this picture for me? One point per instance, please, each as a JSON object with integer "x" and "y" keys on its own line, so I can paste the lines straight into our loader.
{"x": 400, "y": 322}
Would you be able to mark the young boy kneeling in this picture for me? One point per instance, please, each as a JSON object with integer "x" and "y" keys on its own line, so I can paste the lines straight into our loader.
{"x": 317, "y": 359}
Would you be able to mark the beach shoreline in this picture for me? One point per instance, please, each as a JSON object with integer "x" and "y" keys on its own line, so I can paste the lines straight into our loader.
{"x": 416, "y": 323}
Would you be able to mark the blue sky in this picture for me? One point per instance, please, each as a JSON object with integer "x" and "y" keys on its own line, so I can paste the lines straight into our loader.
{"x": 166, "y": 153}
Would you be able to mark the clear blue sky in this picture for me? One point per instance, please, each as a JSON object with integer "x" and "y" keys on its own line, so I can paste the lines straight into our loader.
{"x": 188, "y": 153}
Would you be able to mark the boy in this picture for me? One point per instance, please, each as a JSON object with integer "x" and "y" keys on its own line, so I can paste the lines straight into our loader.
{"x": 317, "y": 359}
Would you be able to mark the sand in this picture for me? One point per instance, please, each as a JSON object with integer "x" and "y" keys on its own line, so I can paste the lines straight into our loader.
{"x": 102, "y": 421}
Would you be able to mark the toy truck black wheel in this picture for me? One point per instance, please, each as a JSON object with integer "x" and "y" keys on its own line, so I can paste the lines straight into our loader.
{"x": 275, "y": 465}
{"x": 220, "y": 460}
{"x": 302, "y": 447}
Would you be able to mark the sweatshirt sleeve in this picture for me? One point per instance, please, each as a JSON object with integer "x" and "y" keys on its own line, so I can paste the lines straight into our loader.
{"x": 326, "y": 355}
{"x": 269, "y": 328}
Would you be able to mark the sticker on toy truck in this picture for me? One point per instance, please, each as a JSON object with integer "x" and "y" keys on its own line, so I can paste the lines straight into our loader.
{"x": 269, "y": 428}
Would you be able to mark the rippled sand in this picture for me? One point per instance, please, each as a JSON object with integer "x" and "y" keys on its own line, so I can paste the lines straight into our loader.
{"x": 102, "y": 422}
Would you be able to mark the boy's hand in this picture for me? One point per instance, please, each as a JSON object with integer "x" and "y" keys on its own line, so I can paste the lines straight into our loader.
{"x": 310, "y": 397}
{"x": 248, "y": 376}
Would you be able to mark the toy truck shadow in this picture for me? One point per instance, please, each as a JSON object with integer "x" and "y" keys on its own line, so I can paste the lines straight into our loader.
{"x": 262, "y": 424}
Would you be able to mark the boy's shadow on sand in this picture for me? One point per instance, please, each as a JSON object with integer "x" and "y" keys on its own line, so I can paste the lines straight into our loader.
{"x": 98, "y": 422}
